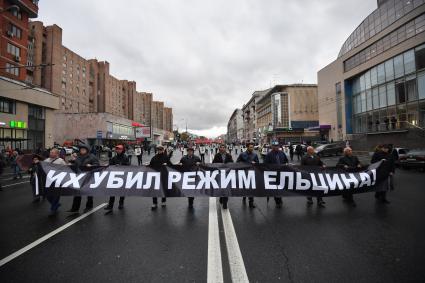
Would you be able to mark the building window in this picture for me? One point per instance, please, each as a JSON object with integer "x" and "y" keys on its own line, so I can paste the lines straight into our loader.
{"x": 7, "y": 106}
{"x": 14, "y": 50}
{"x": 391, "y": 93}
{"x": 409, "y": 61}
{"x": 12, "y": 69}
{"x": 382, "y": 96}
{"x": 411, "y": 88}
{"x": 400, "y": 92}
{"x": 420, "y": 57}
{"x": 421, "y": 85}
{"x": 389, "y": 70}
{"x": 381, "y": 73}
{"x": 375, "y": 98}
{"x": 15, "y": 31}
{"x": 16, "y": 14}
{"x": 398, "y": 66}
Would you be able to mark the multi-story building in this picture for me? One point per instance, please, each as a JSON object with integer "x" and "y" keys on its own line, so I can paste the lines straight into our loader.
{"x": 26, "y": 112}
{"x": 288, "y": 113}
{"x": 142, "y": 108}
{"x": 65, "y": 72}
{"x": 168, "y": 119}
{"x": 235, "y": 127}
{"x": 374, "y": 91}
{"x": 14, "y": 18}
{"x": 249, "y": 116}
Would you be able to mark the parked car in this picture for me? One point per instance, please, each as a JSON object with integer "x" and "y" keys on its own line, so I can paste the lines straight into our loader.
{"x": 415, "y": 158}
{"x": 329, "y": 149}
{"x": 399, "y": 152}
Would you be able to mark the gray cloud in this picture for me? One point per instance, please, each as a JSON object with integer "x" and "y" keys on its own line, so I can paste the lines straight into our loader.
{"x": 205, "y": 58}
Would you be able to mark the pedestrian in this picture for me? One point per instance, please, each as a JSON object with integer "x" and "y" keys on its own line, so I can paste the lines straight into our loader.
{"x": 83, "y": 159}
{"x": 249, "y": 156}
{"x": 130, "y": 153}
{"x": 276, "y": 156}
{"x": 393, "y": 122}
{"x": 348, "y": 162}
{"x": 33, "y": 171}
{"x": 387, "y": 123}
{"x": 291, "y": 152}
{"x": 202, "y": 153}
{"x": 15, "y": 166}
{"x": 299, "y": 151}
{"x": 311, "y": 159}
{"x": 223, "y": 157}
{"x": 120, "y": 159}
{"x": 138, "y": 151}
{"x": 383, "y": 152}
{"x": 160, "y": 159}
{"x": 377, "y": 125}
{"x": 188, "y": 162}
{"x": 54, "y": 199}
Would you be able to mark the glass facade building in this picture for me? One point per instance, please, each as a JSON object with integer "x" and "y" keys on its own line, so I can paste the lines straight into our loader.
{"x": 389, "y": 94}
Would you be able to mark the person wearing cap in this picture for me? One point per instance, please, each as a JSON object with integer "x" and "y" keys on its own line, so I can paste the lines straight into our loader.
{"x": 160, "y": 159}
{"x": 249, "y": 156}
{"x": 312, "y": 159}
{"x": 119, "y": 159}
{"x": 276, "y": 156}
{"x": 223, "y": 157}
{"x": 83, "y": 159}
{"x": 188, "y": 162}
{"x": 348, "y": 162}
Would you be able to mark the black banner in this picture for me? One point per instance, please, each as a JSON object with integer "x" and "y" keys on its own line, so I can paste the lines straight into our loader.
{"x": 232, "y": 179}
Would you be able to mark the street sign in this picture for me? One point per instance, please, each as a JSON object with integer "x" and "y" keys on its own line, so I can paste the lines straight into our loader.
{"x": 99, "y": 134}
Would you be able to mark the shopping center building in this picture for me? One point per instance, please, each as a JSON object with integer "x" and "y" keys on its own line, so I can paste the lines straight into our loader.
{"x": 375, "y": 90}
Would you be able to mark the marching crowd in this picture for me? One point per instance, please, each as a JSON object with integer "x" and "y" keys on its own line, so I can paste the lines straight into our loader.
{"x": 220, "y": 153}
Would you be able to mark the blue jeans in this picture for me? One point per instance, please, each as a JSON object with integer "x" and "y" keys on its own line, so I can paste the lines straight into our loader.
{"x": 16, "y": 171}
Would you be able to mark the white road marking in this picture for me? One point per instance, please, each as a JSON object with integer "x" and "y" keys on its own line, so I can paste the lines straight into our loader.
{"x": 5, "y": 186}
{"x": 215, "y": 268}
{"x": 237, "y": 266}
{"x": 47, "y": 236}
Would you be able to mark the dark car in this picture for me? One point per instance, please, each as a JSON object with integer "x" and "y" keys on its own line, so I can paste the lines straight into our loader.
{"x": 415, "y": 158}
{"x": 329, "y": 149}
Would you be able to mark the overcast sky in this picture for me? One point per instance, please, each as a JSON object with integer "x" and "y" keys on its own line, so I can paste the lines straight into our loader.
{"x": 204, "y": 58}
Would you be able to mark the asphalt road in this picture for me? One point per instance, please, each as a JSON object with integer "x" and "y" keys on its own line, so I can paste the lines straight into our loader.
{"x": 369, "y": 243}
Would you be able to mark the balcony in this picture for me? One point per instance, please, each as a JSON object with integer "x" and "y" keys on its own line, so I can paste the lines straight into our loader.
{"x": 27, "y": 6}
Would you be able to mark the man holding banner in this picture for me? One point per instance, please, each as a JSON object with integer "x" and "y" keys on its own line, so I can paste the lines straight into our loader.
{"x": 311, "y": 159}
{"x": 223, "y": 157}
{"x": 249, "y": 156}
{"x": 188, "y": 162}
{"x": 160, "y": 159}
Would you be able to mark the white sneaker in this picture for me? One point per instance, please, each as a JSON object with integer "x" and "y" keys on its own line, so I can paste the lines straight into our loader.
{"x": 163, "y": 204}
{"x": 154, "y": 206}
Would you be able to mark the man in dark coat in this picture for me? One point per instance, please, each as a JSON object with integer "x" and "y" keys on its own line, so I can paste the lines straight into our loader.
{"x": 311, "y": 159}
{"x": 384, "y": 153}
{"x": 119, "y": 159}
{"x": 223, "y": 157}
{"x": 188, "y": 162}
{"x": 249, "y": 156}
{"x": 83, "y": 159}
{"x": 348, "y": 162}
{"x": 160, "y": 159}
{"x": 276, "y": 156}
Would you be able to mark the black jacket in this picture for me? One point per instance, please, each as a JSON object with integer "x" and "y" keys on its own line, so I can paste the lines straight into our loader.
{"x": 380, "y": 155}
{"x": 119, "y": 159}
{"x": 313, "y": 160}
{"x": 350, "y": 161}
{"x": 159, "y": 159}
{"x": 84, "y": 160}
{"x": 189, "y": 162}
{"x": 219, "y": 159}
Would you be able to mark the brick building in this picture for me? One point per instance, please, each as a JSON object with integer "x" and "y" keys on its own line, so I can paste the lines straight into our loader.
{"x": 168, "y": 119}
{"x": 14, "y": 19}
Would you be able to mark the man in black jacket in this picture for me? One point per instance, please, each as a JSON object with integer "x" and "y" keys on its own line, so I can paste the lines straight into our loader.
{"x": 120, "y": 159}
{"x": 276, "y": 156}
{"x": 223, "y": 157}
{"x": 348, "y": 161}
{"x": 383, "y": 152}
{"x": 188, "y": 162}
{"x": 160, "y": 159}
{"x": 311, "y": 159}
{"x": 84, "y": 159}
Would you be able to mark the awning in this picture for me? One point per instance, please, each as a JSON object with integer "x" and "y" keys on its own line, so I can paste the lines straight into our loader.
{"x": 320, "y": 127}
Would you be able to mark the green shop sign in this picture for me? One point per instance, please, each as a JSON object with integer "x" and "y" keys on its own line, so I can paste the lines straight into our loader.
{"x": 18, "y": 124}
